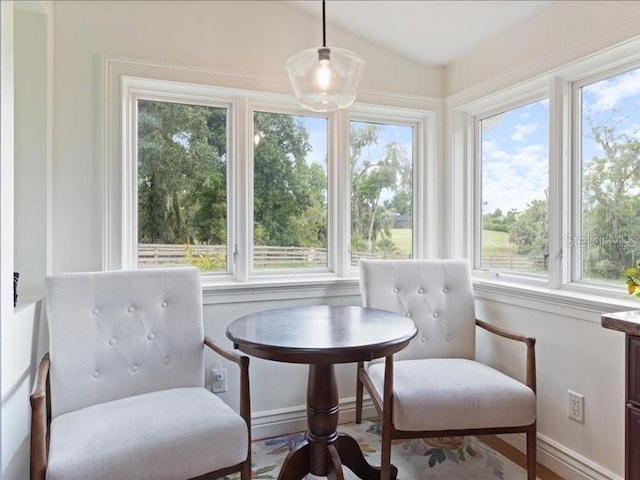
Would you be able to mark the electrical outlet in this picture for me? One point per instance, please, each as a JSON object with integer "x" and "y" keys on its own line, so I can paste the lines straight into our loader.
{"x": 218, "y": 379}
{"x": 575, "y": 406}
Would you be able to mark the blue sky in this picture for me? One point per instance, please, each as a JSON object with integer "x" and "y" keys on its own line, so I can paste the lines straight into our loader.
{"x": 616, "y": 99}
{"x": 515, "y": 144}
{"x": 515, "y": 151}
{"x": 317, "y": 129}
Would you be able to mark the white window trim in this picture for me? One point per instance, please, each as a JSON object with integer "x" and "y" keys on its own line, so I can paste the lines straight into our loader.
{"x": 504, "y": 106}
{"x": 423, "y": 170}
{"x": 563, "y": 284}
{"x": 332, "y": 172}
{"x": 135, "y": 89}
{"x": 122, "y": 76}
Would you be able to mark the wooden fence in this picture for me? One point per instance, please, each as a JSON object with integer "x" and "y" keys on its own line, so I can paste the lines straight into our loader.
{"x": 517, "y": 263}
{"x": 155, "y": 255}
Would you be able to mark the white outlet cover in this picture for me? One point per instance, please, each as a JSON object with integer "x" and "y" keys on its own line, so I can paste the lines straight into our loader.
{"x": 575, "y": 406}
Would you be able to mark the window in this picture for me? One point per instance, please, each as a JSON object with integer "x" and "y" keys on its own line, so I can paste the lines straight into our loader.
{"x": 555, "y": 179}
{"x": 289, "y": 191}
{"x": 381, "y": 173}
{"x": 182, "y": 193}
{"x": 514, "y": 158}
{"x": 246, "y": 185}
{"x": 608, "y": 236}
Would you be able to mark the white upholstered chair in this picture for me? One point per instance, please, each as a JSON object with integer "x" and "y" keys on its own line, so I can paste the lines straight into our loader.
{"x": 121, "y": 395}
{"x": 435, "y": 387}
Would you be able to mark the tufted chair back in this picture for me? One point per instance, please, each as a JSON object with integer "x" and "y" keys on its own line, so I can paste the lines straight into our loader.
{"x": 122, "y": 333}
{"x": 436, "y": 294}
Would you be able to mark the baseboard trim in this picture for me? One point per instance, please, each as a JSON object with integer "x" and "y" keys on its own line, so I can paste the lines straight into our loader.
{"x": 272, "y": 423}
{"x": 562, "y": 460}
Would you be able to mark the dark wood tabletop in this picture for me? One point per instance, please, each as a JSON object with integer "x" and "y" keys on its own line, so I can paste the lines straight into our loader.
{"x": 321, "y": 334}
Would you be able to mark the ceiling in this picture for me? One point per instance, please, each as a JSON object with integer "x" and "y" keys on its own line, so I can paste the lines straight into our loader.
{"x": 428, "y": 32}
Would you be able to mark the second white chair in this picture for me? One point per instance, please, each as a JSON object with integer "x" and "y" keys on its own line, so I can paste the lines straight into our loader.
{"x": 435, "y": 387}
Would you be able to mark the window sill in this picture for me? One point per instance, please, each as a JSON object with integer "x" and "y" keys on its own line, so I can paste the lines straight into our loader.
{"x": 280, "y": 287}
{"x": 566, "y": 301}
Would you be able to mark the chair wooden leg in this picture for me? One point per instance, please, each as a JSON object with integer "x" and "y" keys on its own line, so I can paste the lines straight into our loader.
{"x": 245, "y": 473}
{"x": 532, "y": 450}
{"x": 359, "y": 393}
{"x": 385, "y": 454}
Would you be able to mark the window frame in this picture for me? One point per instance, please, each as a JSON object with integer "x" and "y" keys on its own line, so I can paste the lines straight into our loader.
{"x": 511, "y": 104}
{"x": 576, "y": 272}
{"x": 419, "y": 124}
{"x": 564, "y": 285}
{"x": 267, "y": 107}
{"x": 120, "y": 204}
{"x": 146, "y": 90}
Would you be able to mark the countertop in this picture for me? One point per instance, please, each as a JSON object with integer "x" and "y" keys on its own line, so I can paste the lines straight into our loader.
{"x": 627, "y": 322}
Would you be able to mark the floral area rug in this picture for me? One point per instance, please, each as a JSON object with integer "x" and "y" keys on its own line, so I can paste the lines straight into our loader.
{"x": 419, "y": 459}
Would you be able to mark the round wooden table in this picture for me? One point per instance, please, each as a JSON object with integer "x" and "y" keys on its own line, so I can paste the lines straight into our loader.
{"x": 322, "y": 336}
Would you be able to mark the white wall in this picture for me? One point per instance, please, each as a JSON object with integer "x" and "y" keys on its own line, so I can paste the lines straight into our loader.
{"x": 564, "y": 33}
{"x": 30, "y": 180}
{"x": 6, "y": 221}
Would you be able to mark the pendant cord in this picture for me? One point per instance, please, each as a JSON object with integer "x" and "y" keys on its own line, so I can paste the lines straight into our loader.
{"x": 324, "y": 29}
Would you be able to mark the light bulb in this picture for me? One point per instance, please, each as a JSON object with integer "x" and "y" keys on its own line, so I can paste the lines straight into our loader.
{"x": 323, "y": 75}
{"x": 323, "y": 70}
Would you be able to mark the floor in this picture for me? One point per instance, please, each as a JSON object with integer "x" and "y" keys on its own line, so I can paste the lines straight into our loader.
{"x": 516, "y": 456}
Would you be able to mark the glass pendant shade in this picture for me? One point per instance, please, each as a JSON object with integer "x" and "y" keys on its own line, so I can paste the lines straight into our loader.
{"x": 324, "y": 78}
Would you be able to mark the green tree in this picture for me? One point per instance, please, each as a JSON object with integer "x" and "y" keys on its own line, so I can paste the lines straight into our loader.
{"x": 178, "y": 153}
{"x": 289, "y": 192}
{"x": 529, "y": 234}
{"x": 401, "y": 203}
{"x": 499, "y": 222}
{"x": 610, "y": 203}
{"x": 370, "y": 217}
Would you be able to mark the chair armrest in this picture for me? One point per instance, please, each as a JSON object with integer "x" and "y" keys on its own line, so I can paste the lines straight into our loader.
{"x": 40, "y": 419}
{"x": 243, "y": 362}
{"x": 531, "y": 349}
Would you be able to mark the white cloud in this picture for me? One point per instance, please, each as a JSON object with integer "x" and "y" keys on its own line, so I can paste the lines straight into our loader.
{"x": 513, "y": 180}
{"x": 520, "y": 132}
{"x": 612, "y": 90}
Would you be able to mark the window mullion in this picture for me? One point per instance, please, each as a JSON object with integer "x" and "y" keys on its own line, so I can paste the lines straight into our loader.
{"x": 339, "y": 206}
{"x": 243, "y": 169}
{"x": 557, "y": 101}
{"x": 461, "y": 199}
{"x": 575, "y": 192}
{"x": 129, "y": 180}
{"x": 423, "y": 197}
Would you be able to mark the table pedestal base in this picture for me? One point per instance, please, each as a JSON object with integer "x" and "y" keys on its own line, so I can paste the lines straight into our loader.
{"x": 324, "y": 451}
{"x": 344, "y": 452}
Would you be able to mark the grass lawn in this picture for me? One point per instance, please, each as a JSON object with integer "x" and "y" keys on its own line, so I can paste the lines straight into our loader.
{"x": 402, "y": 237}
{"x": 493, "y": 243}
{"x": 496, "y": 243}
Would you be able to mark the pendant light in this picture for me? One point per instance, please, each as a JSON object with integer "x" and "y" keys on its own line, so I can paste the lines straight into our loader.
{"x": 324, "y": 78}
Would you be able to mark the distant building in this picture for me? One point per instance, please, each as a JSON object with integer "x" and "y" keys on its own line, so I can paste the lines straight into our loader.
{"x": 402, "y": 221}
